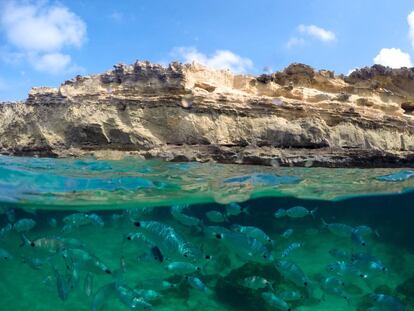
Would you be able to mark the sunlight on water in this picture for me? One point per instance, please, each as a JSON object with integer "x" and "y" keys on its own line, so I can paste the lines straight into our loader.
{"x": 141, "y": 235}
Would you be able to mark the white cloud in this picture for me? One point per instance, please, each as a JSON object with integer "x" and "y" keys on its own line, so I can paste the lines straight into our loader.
{"x": 220, "y": 59}
{"x": 317, "y": 32}
{"x": 295, "y": 41}
{"x": 52, "y": 62}
{"x": 40, "y": 31}
{"x": 394, "y": 58}
{"x": 410, "y": 20}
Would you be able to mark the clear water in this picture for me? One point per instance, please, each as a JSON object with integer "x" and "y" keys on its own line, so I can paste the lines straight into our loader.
{"x": 130, "y": 194}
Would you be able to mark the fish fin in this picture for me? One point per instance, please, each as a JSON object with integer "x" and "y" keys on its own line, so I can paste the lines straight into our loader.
{"x": 324, "y": 223}
{"x": 312, "y": 212}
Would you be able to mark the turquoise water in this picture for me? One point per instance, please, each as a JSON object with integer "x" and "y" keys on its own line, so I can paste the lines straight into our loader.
{"x": 131, "y": 234}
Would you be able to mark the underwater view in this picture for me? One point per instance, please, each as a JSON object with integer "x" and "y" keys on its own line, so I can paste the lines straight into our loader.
{"x": 86, "y": 234}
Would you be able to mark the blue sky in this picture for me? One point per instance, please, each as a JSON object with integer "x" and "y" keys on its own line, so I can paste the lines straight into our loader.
{"x": 45, "y": 42}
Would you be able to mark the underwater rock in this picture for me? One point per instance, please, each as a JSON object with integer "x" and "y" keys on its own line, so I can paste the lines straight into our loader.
{"x": 406, "y": 289}
{"x": 187, "y": 112}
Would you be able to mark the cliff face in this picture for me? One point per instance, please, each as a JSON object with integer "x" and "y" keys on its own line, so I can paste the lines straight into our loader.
{"x": 298, "y": 116}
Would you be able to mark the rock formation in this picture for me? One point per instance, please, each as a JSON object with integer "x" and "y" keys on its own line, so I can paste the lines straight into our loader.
{"x": 188, "y": 112}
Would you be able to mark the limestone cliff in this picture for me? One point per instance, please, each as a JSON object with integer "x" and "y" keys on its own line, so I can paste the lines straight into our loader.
{"x": 297, "y": 116}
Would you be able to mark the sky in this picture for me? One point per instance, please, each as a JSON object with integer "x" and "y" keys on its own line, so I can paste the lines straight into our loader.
{"x": 44, "y": 42}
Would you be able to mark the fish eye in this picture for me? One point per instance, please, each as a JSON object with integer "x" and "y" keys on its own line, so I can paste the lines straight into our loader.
{"x": 305, "y": 283}
{"x": 107, "y": 271}
{"x": 185, "y": 255}
{"x": 32, "y": 244}
{"x": 198, "y": 269}
{"x": 218, "y": 236}
{"x": 265, "y": 256}
{"x": 129, "y": 238}
{"x": 137, "y": 224}
{"x": 361, "y": 276}
{"x": 207, "y": 257}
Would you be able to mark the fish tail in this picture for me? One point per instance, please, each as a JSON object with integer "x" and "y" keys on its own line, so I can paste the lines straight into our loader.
{"x": 324, "y": 223}
{"x": 312, "y": 212}
{"x": 25, "y": 241}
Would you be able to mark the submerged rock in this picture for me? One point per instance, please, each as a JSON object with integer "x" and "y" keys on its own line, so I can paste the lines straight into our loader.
{"x": 189, "y": 112}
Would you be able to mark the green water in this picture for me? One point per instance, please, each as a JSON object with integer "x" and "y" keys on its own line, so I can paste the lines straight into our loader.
{"x": 128, "y": 195}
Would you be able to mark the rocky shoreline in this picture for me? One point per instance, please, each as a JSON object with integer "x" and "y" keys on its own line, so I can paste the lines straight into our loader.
{"x": 297, "y": 117}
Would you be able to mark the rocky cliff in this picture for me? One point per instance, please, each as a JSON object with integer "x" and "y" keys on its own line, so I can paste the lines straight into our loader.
{"x": 297, "y": 116}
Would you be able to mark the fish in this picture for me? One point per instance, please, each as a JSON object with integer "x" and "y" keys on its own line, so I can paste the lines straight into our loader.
{"x": 85, "y": 260}
{"x": 155, "y": 284}
{"x": 148, "y": 294}
{"x": 368, "y": 263}
{"x": 290, "y": 248}
{"x": 333, "y": 286}
{"x": 252, "y": 232}
{"x": 96, "y": 220}
{"x": 196, "y": 283}
{"x": 280, "y": 213}
{"x": 130, "y": 298}
{"x": 180, "y": 267}
{"x": 275, "y": 301}
{"x": 341, "y": 230}
{"x": 255, "y": 282}
{"x": 88, "y": 284}
{"x": 5, "y": 255}
{"x": 102, "y": 295}
{"x": 340, "y": 254}
{"x": 5, "y": 231}
{"x": 216, "y": 216}
{"x": 117, "y": 217}
{"x": 62, "y": 285}
{"x": 346, "y": 269}
{"x": 50, "y": 244}
{"x": 245, "y": 247}
{"x": 358, "y": 239}
{"x": 291, "y": 295}
{"x": 386, "y": 302}
{"x": 52, "y": 222}
{"x": 24, "y": 225}
{"x": 77, "y": 220}
{"x": 300, "y": 212}
{"x": 177, "y": 211}
{"x": 135, "y": 214}
{"x": 287, "y": 233}
{"x": 35, "y": 262}
{"x": 167, "y": 240}
{"x": 292, "y": 272}
{"x": 234, "y": 209}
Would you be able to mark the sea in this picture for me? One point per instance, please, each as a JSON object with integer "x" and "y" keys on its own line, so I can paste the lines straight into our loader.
{"x": 132, "y": 234}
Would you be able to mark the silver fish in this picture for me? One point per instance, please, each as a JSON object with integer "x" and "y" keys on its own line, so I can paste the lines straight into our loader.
{"x": 252, "y": 232}
{"x": 62, "y": 285}
{"x": 196, "y": 283}
{"x": 88, "y": 284}
{"x": 52, "y": 222}
{"x": 167, "y": 240}
{"x": 77, "y": 219}
{"x": 245, "y": 247}
{"x": 299, "y": 212}
{"x": 24, "y": 225}
{"x": 34, "y": 262}
{"x": 156, "y": 284}
{"x": 177, "y": 211}
{"x": 148, "y": 294}
{"x": 96, "y": 220}
{"x": 255, "y": 282}
{"x": 340, "y": 254}
{"x": 5, "y": 231}
{"x": 85, "y": 260}
{"x": 280, "y": 213}
{"x": 346, "y": 270}
{"x": 292, "y": 272}
{"x": 291, "y": 295}
{"x": 275, "y": 301}
{"x": 339, "y": 229}
{"x": 333, "y": 286}
{"x": 290, "y": 248}
{"x": 386, "y": 303}
{"x": 234, "y": 209}
{"x": 131, "y": 299}
{"x": 216, "y": 216}
{"x": 102, "y": 295}
{"x": 287, "y": 233}
{"x": 180, "y": 267}
{"x": 5, "y": 255}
